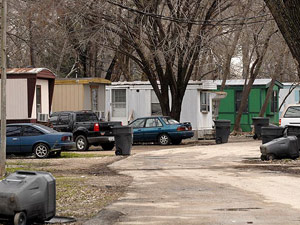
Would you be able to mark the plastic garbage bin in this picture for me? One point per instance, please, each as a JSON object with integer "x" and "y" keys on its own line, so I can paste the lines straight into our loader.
{"x": 123, "y": 139}
{"x": 28, "y": 195}
{"x": 258, "y": 123}
{"x": 270, "y": 133}
{"x": 284, "y": 147}
{"x": 222, "y": 130}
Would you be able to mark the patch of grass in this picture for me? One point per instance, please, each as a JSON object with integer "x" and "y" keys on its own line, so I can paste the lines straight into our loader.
{"x": 79, "y": 155}
{"x": 12, "y": 167}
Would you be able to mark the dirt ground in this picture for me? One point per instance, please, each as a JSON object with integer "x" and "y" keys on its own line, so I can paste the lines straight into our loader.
{"x": 86, "y": 185}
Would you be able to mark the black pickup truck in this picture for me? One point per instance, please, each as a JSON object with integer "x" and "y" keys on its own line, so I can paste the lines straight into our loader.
{"x": 87, "y": 129}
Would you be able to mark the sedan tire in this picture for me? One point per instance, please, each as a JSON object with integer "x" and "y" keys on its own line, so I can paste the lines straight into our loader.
{"x": 41, "y": 151}
{"x": 163, "y": 139}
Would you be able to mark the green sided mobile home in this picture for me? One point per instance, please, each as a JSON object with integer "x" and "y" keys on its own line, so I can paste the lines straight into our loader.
{"x": 234, "y": 88}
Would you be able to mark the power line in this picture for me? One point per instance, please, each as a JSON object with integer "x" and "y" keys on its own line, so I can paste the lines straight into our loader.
{"x": 197, "y": 22}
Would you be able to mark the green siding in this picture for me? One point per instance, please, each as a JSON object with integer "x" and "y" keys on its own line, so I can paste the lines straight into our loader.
{"x": 256, "y": 99}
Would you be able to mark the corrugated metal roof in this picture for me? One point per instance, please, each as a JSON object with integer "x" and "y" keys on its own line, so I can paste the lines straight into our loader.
{"x": 240, "y": 82}
{"x": 87, "y": 80}
{"x": 26, "y": 70}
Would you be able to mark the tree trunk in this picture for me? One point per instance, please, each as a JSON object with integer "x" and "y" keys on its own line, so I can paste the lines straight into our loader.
{"x": 253, "y": 74}
{"x": 269, "y": 94}
{"x": 287, "y": 17}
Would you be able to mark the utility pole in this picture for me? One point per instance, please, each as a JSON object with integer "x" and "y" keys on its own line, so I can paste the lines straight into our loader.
{"x": 3, "y": 88}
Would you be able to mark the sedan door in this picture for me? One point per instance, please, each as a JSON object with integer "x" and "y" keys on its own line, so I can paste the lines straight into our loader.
{"x": 137, "y": 126}
{"x": 153, "y": 127}
{"x": 29, "y": 137}
{"x": 13, "y": 139}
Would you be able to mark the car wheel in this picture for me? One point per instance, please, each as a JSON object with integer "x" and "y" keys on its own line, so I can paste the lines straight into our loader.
{"x": 41, "y": 150}
{"x": 108, "y": 146}
{"x": 163, "y": 139}
{"x": 176, "y": 141}
{"x": 20, "y": 218}
{"x": 81, "y": 143}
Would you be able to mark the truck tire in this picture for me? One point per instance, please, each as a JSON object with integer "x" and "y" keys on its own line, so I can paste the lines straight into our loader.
{"x": 81, "y": 143}
{"x": 108, "y": 146}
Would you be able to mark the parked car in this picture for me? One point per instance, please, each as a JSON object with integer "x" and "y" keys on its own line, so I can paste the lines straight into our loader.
{"x": 161, "y": 129}
{"x": 25, "y": 138}
{"x": 87, "y": 129}
{"x": 290, "y": 115}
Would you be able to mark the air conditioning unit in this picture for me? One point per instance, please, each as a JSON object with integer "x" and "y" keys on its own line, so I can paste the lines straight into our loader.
{"x": 100, "y": 114}
{"x": 42, "y": 117}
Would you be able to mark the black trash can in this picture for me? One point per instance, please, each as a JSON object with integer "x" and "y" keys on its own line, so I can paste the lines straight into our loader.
{"x": 270, "y": 133}
{"x": 279, "y": 148}
{"x": 123, "y": 139}
{"x": 293, "y": 130}
{"x": 28, "y": 195}
{"x": 222, "y": 130}
{"x": 258, "y": 123}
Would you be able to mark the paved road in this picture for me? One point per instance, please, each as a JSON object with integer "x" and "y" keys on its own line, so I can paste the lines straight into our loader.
{"x": 207, "y": 185}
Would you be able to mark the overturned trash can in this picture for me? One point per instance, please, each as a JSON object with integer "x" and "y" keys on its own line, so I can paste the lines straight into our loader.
{"x": 258, "y": 123}
{"x": 123, "y": 139}
{"x": 284, "y": 147}
{"x": 270, "y": 133}
{"x": 222, "y": 130}
{"x": 28, "y": 195}
{"x": 293, "y": 130}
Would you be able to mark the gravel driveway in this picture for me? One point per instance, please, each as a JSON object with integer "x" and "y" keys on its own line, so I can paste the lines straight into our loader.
{"x": 215, "y": 184}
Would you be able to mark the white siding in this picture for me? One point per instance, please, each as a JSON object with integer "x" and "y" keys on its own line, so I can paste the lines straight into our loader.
{"x": 293, "y": 98}
{"x": 16, "y": 99}
{"x": 44, "y": 96}
{"x": 139, "y": 102}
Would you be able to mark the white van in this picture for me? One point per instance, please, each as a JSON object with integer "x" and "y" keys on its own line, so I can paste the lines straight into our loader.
{"x": 290, "y": 116}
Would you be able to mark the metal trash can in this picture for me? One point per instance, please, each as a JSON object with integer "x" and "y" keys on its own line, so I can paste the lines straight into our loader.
{"x": 123, "y": 139}
{"x": 28, "y": 195}
{"x": 270, "y": 133}
{"x": 258, "y": 123}
{"x": 222, "y": 130}
{"x": 284, "y": 147}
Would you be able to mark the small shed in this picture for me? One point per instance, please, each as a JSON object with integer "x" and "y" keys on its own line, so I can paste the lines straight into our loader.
{"x": 230, "y": 105}
{"x": 126, "y": 101}
{"x": 292, "y": 98}
{"x": 80, "y": 94}
{"x": 29, "y": 94}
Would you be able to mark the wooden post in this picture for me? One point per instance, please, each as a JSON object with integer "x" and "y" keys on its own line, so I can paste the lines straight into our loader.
{"x": 3, "y": 88}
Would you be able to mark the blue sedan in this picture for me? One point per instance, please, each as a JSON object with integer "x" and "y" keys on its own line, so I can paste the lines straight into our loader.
{"x": 161, "y": 129}
{"x": 24, "y": 138}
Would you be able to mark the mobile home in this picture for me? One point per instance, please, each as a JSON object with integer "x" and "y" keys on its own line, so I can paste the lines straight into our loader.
{"x": 126, "y": 101}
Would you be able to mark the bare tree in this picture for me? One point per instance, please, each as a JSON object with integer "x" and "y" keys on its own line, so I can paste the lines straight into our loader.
{"x": 167, "y": 38}
{"x": 287, "y": 16}
{"x": 254, "y": 71}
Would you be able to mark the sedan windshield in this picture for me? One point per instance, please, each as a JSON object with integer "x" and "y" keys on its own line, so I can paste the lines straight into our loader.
{"x": 45, "y": 128}
{"x": 169, "y": 121}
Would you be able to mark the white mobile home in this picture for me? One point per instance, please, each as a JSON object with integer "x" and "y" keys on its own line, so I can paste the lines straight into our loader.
{"x": 293, "y": 98}
{"x": 127, "y": 101}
